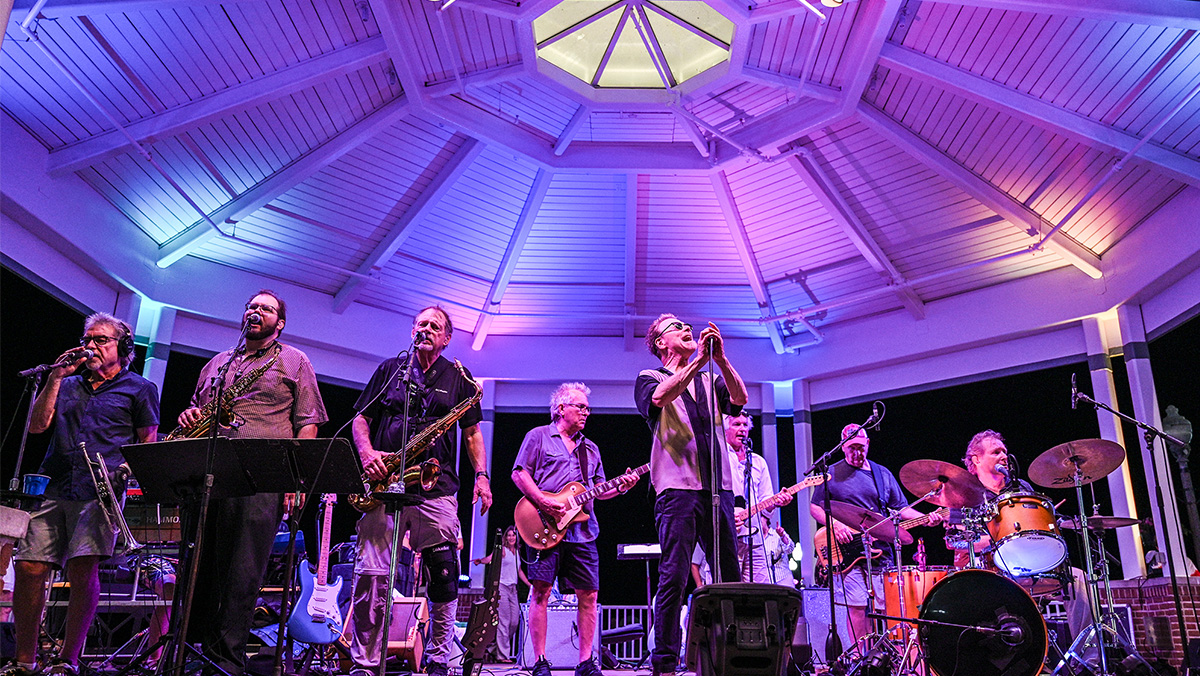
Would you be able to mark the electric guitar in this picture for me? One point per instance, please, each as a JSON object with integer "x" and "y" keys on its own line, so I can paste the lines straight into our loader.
{"x": 541, "y": 531}
{"x": 741, "y": 515}
{"x": 316, "y": 617}
{"x": 842, "y": 551}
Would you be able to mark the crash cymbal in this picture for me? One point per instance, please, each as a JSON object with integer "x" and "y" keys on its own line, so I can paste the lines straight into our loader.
{"x": 1101, "y": 522}
{"x": 959, "y": 488}
{"x": 1096, "y": 459}
{"x": 863, "y": 519}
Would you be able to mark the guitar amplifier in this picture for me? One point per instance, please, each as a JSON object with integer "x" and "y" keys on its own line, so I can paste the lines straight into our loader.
{"x": 562, "y": 637}
{"x": 406, "y": 641}
{"x": 816, "y": 621}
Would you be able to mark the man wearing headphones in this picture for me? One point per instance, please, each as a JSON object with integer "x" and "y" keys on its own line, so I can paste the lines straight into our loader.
{"x": 281, "y": 402}
{"x": 427, "y": 387}
{"x": 102, "y": 409}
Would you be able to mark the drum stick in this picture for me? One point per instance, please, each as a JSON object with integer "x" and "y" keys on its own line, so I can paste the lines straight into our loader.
{"x": 1060, "y": 503}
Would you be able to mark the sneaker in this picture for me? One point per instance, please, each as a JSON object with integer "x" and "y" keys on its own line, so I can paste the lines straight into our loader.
{"x": 361, "y": 671}
{"x": 588, "y": 668}
{"x": 61, "y": 667}
{"x": 437, "y": 669}
{"x": 541, "y": 667}
{"x": 15, "y": 668}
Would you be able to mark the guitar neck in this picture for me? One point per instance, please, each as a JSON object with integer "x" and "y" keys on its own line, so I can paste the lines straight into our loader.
{"x": 601, "y": 489}
{"x": 326, "y": 530}
{"x": 790, "y": 490}
{"x": 922, "y": 520}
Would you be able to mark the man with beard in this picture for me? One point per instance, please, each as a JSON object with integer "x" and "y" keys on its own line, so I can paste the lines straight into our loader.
{"x": 751, "y": 532}
{"x": 551, "y": 457}
{"x": 866, "y": 484}
{"x": 104, "y": 408}
{"x": 432, "y": 387}
{"x": 681, "y": 403}
{"x": 283, "y": 402}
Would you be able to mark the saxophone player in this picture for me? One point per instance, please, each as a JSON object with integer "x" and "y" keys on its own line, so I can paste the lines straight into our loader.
{"x": 104, "y": 408}
{"x": 277, "y": 398}
{"x": 404, "y": 397}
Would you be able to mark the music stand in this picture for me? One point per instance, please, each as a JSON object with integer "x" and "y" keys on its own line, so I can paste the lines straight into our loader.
{"x": 173, "y": 472}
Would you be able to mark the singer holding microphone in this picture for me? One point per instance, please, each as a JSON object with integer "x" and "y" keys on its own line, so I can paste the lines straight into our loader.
{"x": 104, "y": 408}
{"x": 280, "y": 401}
{"x": 866, "y": 484}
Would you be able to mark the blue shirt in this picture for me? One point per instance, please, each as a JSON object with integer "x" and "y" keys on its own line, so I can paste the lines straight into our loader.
{"x": 104, "y": 419}
{"x": 545, "y": 457}
{"x": 861, "y": 488}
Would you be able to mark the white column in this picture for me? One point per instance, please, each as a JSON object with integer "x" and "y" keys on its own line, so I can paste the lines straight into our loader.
{"x": 770, "y": 434}
{"x": 802, "y": 424}
{"x": 1145, "y": 408}
{"x": 156, "y": 325}
{"x": 481, "y": 536}
{"x": 1120, "y": 486}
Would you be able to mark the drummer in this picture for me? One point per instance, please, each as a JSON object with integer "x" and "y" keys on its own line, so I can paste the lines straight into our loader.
{"x": 872, "y": 486}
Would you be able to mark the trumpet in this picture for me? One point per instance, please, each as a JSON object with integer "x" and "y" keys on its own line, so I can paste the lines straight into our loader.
{"x": 109, "y": 504}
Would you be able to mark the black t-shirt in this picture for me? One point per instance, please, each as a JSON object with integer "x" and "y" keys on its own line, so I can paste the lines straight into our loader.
{"x": 434, "y": 394}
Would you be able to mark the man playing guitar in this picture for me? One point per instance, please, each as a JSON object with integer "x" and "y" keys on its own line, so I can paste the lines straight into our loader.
{"x": 872, "y": 486}
{"x": 551, "y": 457}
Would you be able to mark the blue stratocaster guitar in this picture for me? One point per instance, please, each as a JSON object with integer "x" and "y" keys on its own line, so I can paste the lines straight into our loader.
{"x": 316, "y": 617}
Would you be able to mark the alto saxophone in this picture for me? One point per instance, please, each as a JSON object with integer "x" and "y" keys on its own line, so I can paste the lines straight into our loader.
{"x": 110, "y": 506}
{"x": 405, "y": 465}
{"x": 228, "y": 418}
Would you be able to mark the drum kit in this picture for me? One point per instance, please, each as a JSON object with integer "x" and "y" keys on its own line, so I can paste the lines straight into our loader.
{"x": 984, "y": 619}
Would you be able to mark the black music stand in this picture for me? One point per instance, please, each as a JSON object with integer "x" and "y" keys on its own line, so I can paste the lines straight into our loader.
{"x": 647, "y": 552}
{"x": 173, "y": 472}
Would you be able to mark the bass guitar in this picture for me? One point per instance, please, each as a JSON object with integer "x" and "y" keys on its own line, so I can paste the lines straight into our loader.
{"x": 316, "y": 617}
{"x": 741, "y": 515}
{"x": 853, "y": 550}
{"x": 541, "y": 531}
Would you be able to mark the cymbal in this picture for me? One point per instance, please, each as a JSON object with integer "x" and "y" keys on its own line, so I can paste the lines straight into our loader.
{"x": 1096, "y": 459}
{"x": 863, "y": 519}
{"x": 959, "y": 488}
{"x": 1101, "y": 522}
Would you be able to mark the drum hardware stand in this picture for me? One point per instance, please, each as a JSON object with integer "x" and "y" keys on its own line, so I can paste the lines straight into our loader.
{"x": 1149, "y": 433}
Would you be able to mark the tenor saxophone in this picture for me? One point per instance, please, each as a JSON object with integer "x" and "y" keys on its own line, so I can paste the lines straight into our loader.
{"x": 228, "y": 418}
{"x": 406, "y": 464}
{"x": 110, "y": 506}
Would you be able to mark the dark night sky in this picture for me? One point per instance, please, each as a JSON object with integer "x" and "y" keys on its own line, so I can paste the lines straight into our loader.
{"x": 1031, "y": 409}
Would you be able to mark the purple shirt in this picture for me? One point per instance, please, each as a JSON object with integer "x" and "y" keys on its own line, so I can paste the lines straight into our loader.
{"x": 545, "y": 457}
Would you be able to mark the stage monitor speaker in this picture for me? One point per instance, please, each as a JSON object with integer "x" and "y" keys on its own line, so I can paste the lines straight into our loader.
{"x": 816, "y": 617}
{"x": 742, "y": 628}
{"x": 562, "y": 637}
{"x": 406, "y": 641}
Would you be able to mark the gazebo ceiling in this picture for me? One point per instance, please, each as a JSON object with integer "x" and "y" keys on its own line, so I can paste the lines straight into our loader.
{"x": 777, "y": 168}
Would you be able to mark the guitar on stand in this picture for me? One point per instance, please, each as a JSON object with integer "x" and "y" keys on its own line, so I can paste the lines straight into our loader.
{"x": 485, "y": 614}
{"x": 541, "y": 531}
{"x": 316, "y": 619}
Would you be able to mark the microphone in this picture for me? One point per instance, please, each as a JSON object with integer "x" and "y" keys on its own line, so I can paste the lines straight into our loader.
{"x": 748, "y": 444}
{"x": 1003, "y": 469}
{"x": 79, "y": 353}
{"x": 254, "y": 318}
{"x": 876, "y": 416}
{"x": 1074, "y": 392}
{"x": 420, "y": 337}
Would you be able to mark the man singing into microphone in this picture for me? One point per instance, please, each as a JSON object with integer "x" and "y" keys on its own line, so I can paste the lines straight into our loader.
{"x": 104, "y": 408}
{"x": 682, "y": 405}
{"x": 280, "y": 401}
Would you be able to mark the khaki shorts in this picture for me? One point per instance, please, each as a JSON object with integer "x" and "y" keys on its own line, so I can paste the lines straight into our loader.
{"x": 429, "y": 524}
{"x": 60, "y": 530}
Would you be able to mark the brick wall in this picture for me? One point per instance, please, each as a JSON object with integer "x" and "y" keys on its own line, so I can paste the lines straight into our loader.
{"x": 1154, "y": 598}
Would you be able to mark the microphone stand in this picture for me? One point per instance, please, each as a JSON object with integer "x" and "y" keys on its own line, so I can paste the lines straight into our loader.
{"x": 32, "y": 385}
{"x": 1149, "y": 433}
{"x": 716, "y": 452}
{"x": 749, "y": 517}
{"x": 833, "y": 642}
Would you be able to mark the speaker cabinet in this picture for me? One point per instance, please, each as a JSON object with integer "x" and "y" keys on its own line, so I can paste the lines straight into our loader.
{"x": 562, "y": 637}
{"x": 406, "y": 641}
{"x": 742, "y": 628}
{"x": 816, "y": 617}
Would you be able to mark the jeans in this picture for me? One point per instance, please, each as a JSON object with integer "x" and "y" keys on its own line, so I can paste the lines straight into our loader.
{"x": 684, "y": 518}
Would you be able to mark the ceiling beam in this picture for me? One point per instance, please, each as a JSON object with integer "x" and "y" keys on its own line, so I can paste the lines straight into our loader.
{"x": 741, "y": 242}
{"x": 872, "y": 24}
{"x": 64, "y": 8}
{"x": 401, "y": 46}
{"x": 770, "y": 78}
{"x": 806, "y": 167}
{"x": 974, "y": 185}
{"x": 218, "y": 105}
{"x": 1035, "y": 111}
{"x": 783, "y": 125}
{"x": 403, "y": 227}
{"x": 631, "y": 257}
{"x": 283, "y": 180}
{"x": 506, "y": 73}
{"x": 1167, "y": 13}
{"x": 512, "y": 254}
{"x": 582, "y": 113}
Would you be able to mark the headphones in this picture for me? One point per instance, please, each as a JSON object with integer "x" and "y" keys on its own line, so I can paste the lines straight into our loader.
{"x": 125, "y": 342}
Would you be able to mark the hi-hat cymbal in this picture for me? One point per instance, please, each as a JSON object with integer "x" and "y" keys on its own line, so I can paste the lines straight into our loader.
{"x": 1095, "y": 458}
{"x": 1101, "y": 522}
{"x": 959, "y": 488}
{"x": 863, "y": 519}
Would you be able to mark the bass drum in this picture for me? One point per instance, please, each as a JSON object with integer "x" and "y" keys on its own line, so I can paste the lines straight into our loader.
{"x": 984, "y": 599}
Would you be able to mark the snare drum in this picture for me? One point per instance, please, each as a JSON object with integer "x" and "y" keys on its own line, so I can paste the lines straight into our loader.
{"x": 917, "y": 584}
{"x": 1025, "y": 535}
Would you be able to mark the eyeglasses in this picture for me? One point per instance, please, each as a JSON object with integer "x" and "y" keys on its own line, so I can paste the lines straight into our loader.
{"x": 674, "y": 326}
{"x": 100, "y": 341}
{"x": 269, "y": 309}
{"x": 583, "y": 408}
